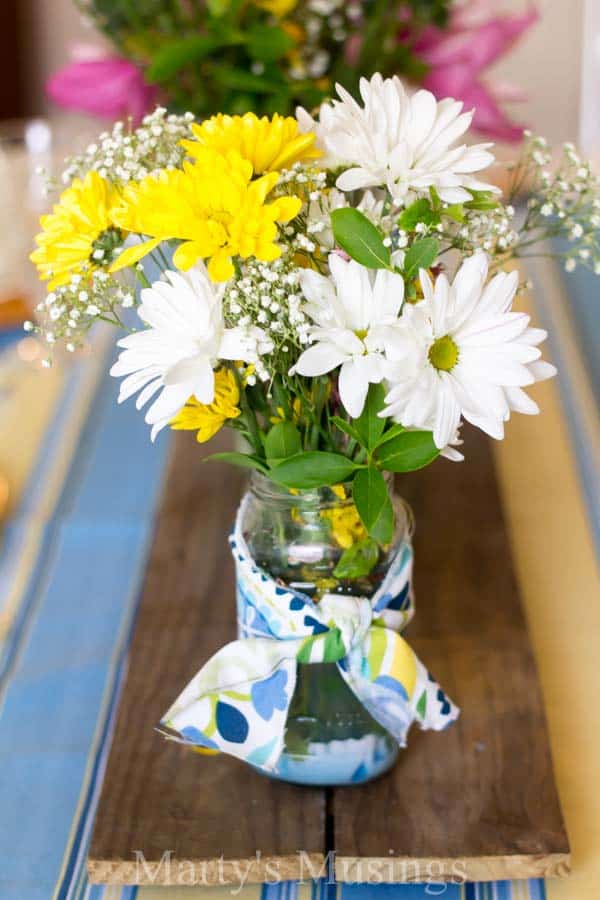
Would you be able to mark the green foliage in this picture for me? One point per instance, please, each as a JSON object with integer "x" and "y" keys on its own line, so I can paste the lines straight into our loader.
{"x": 313, "y": 469}
{"x": 174, "y": 56}
{"x": 165, "y": 37}
{"x": 421, "y": 255}
{"x": 407, "y": 451}
{"x": 357, "y": 235}
{"x": 482, "y": 200}
{"x": 419, "y": 211}
{"x": 243, "y": 460}
{"x": 268, "y": 44}
{"x": 347, "y": 428}
{"x": 358, "y": 560}
{"x": 369, "y": 425}
{"x": 282, "y": 440}
{"x": 373, "y": 503}
{"x": 390, "y": 433}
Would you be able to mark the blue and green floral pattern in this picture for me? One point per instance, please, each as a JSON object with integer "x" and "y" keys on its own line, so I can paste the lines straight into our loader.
{"x": 238, "y": 702}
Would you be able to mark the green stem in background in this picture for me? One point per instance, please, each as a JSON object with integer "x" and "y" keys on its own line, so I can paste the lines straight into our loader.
{"x": 249, "y": 416}
{"x": 141, "y": 277}
{"x": 281, "y": 399}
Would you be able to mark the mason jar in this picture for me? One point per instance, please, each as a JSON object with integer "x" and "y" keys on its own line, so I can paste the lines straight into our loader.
{"x": 298, "y": 538}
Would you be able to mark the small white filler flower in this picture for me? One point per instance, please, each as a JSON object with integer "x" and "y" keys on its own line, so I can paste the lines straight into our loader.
{"x": 357, "y": 327}
{"x": 185, "y": 339}
{"x": 476, "y": 355}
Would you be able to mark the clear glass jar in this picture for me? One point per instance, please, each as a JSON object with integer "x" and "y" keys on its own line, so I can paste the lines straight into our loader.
{"x": 299, "y": 538}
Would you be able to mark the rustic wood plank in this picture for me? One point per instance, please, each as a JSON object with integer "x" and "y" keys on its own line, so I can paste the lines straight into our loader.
{"x": 478, "y": 801}
{"x": 215, "y": 814}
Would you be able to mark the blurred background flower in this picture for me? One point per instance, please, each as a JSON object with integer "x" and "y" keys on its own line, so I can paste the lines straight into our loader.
{"x": 457, "y": 56}
{"x": 102, "y": 85}
{"x": 270, "y": 55}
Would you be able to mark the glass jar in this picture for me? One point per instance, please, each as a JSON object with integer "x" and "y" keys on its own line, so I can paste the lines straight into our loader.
{"x": 299, "y": 539}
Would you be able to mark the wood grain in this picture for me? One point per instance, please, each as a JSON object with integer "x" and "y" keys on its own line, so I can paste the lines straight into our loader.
{"x": 479, "y": 799}
{"x": 157, "y": 795}
{"x": 476, "y": 802}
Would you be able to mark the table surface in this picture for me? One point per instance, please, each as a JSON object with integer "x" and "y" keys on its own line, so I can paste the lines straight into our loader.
{"x": 478, "y": 799}
{"x": 551, "y": 517}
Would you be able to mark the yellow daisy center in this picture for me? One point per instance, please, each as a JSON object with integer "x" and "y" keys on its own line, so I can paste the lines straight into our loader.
{"x": 443, "y": 354}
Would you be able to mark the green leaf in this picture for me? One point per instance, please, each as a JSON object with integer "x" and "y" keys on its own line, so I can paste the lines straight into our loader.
{"x": 369, "y": 424}
{"x": 455, "y": 211}
{"x": 482, "y": 200}
{"x": 174, "y": 56}
{"x": 217, "y": 7}
{"x": 421, "y": 255}
{"x": 312, "y": 469}
{"x": 373, "y": 503}
{"x": 268, "y": 44}
{"x": 347, "y": 428}
{"x": 283, "y": 440}
{"x": 419, "y": 211}
{"x": 242, "y": 80}
{"x": 408, "y": 451}
{"x": 360, "y": 238}
{"x": 389, "y": 434}
{"x": 244, "y": 460}
{"x": 358, "y": 560}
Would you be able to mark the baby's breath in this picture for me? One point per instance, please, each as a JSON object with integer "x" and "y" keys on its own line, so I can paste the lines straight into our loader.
{"x": 268, "y": 295}
{"x": 126, "y": 154}
{"x": 67, "y": 313}
{"x": 564, "y": 204}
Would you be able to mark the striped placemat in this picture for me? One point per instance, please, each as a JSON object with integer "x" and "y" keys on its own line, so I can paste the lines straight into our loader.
{"x": 64, "y": 656}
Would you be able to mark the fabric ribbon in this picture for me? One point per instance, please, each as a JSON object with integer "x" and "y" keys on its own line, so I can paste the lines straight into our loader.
{"x": 238, "y": 702}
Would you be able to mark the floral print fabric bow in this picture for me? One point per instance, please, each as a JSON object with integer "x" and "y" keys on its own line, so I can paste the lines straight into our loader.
{"x": 238, "y": 702}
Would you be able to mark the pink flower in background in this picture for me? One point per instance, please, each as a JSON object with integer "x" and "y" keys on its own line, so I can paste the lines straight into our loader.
{"x": 475, "y": 38}
{"x": 105, "y": 86}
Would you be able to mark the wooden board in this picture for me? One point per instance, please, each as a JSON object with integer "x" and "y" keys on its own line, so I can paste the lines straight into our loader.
{"x": 215, "y": 813}
{"x": 476, "y": 802}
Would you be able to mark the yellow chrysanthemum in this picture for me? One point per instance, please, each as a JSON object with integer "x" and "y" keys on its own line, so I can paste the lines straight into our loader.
{"x": 269, "y": 144}
{"x": 207, "y": 419}
{"x": 278, "y": 8}
{"x": 346, "y": 526}
{"x": 213, "y": 207}
{"x": 79, "y": 233}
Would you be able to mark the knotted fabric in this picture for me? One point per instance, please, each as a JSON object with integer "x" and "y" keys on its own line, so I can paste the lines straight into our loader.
{"x": 238, "y": 702}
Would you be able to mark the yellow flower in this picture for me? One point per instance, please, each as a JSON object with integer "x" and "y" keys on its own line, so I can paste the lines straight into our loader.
{"x": 278, "y": 8}
{"x": 346, "y": 526}
{"x": 213, "y": 207}
{"x": 269, "y": 144}
{"x": 280, "y": 417}
{"x": 207, "y": 419}
{"x": 79, "y": 233}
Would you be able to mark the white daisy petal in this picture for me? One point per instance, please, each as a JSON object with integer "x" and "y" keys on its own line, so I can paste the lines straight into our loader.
{"x": 319, "y": 359}
{"x": 353, "y": 386}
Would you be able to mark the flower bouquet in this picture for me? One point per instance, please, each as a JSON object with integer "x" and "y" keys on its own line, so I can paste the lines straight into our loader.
{"x": 335, "y": 291}
{"x": 269, "y": 55}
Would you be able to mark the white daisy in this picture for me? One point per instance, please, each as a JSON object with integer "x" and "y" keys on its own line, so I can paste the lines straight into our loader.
{"x": 357, "y": 328}
{"x": 403, "y": 142}
{"x": 476, "y": 355}
{"x": 185, "y": 339}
